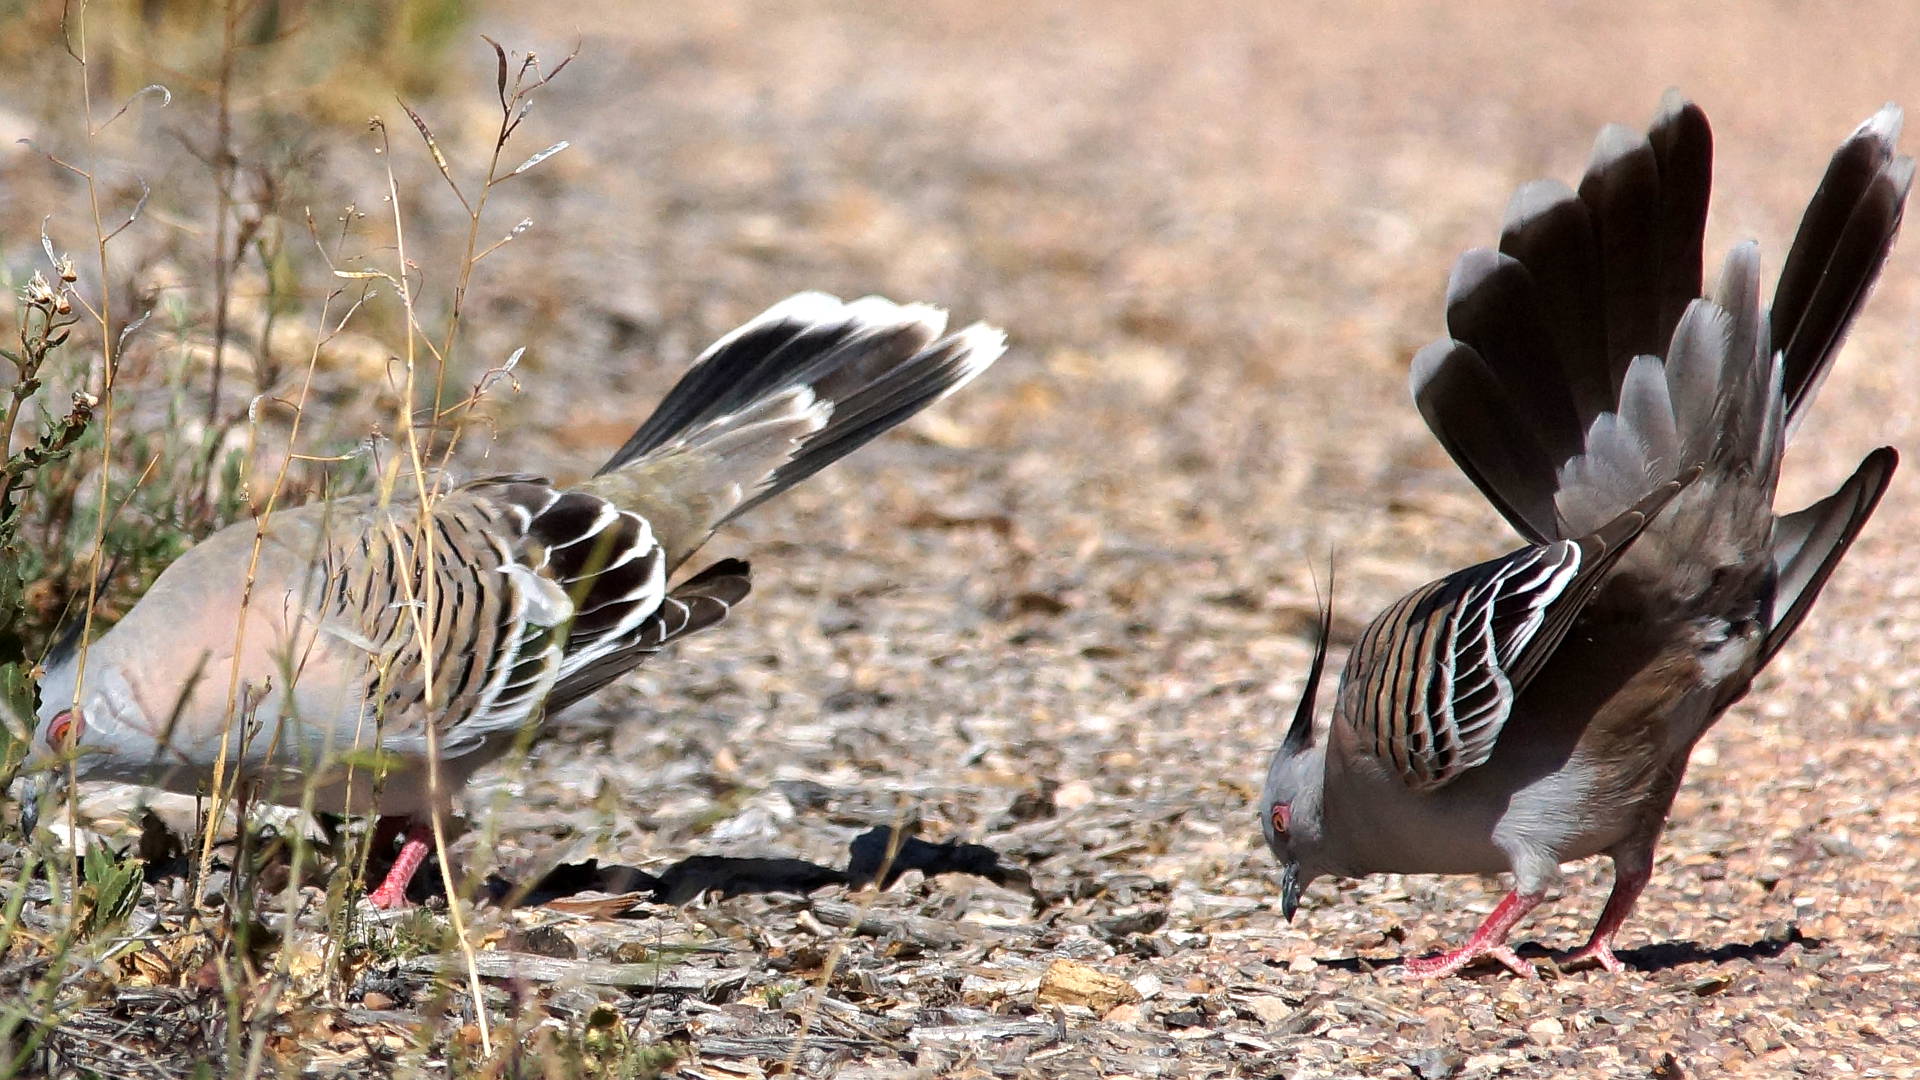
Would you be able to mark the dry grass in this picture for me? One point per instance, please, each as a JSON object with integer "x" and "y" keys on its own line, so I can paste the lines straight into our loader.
{"x": 1063, "y": 617}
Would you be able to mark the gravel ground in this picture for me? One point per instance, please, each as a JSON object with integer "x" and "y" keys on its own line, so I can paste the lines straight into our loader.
{"x": 1066, "y": 615}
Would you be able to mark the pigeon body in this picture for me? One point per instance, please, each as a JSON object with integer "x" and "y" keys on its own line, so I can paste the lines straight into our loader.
{"x": 329, "y": 651}
{"x": 1541, "y": 707}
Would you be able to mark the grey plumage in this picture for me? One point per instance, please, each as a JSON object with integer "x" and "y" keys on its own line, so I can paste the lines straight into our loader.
{"x": 292, "y": 647}
{"x": 1432, "y": 680}
{"x": 1541, "y": 707}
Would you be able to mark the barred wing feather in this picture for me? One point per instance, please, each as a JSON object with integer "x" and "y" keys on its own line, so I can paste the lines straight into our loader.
{"x": 531, "y": 588}
{"x": 1433, "y": 680}
{"x": 1430, "y": 683}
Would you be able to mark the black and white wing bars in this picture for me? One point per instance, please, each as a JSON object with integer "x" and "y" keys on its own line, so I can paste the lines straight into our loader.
{"x": 1430, "y": 685}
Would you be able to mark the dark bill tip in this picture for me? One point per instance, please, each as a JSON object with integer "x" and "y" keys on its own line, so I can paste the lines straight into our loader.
{"x": 1290, "y": 889}
{"x": 31, "y": 791}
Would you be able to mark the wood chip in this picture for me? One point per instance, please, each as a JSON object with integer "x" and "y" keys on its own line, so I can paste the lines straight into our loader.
{"x": 547, "y": 969}
{"x": 1069, "y": 982}
{"x": 597, "y": 906}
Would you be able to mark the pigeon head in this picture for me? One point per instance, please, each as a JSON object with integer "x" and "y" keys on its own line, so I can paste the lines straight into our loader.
{"x": 1290, "y": 800}
{"x": 89, "y": 725}
{"x": 89, "y": 713}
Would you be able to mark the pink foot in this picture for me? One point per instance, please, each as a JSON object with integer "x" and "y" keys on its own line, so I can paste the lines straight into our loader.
{"x": 1490, "y": 940}
{"x": 1630, "y": 876}
{"x": 1600, "y": 952}
{"x": 1446, "y": 963}
{"x": 392, "y": 892}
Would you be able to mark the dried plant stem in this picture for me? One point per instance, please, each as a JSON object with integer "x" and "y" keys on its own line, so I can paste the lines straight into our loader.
{"x": 109, "y": 368}
{"x": 264, "y": 520}
{"x": 437, "y": 798}
{"x": 223, "y": 161}
{"x": 467, "y": 263}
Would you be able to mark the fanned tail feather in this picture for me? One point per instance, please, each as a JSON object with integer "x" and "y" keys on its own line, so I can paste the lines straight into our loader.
{"x": 799, "y": 387}
{"x": 1585, "y": 365}
{"x": 1809, "y": 543}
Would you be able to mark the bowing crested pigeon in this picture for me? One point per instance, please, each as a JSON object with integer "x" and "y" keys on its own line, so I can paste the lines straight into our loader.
{"x": 357, "y": 639}
{"x": 1541, "y": 707}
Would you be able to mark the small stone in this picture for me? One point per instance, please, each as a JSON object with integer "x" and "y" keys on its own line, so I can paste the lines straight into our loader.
{"x": 1123, "y": 1014}
{"x": 1709, "y": 985}
{"x": 377, "y": 1001}
{"x": 1546, "y": 1030}
{"x": 1185, "y": 1018}
{"x": 1073, "y": 795}
{"x": 1435, "y": 1063}
{"x": 1269, "y": 1008}
{"x": 543, "y": 941}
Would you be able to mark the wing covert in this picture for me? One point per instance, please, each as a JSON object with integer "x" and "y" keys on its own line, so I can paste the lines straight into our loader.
{"x": 1431, "y": 681}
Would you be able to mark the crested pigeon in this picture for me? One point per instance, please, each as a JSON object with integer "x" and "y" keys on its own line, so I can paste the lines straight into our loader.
{"x": 1541, "y": 707}
{"x": 373, "y": 654}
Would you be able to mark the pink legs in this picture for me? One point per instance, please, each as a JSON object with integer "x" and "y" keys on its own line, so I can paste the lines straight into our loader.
{"x": 1489, "y": 940}
{"x": 1630, "y": 875}
{"x": 392, "y": 892}
{"x": 1628, "y": 880}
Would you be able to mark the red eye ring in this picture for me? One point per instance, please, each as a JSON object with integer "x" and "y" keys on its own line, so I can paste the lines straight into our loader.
{"x": 1282, "y": 817}
{"x": 65, "y": 729}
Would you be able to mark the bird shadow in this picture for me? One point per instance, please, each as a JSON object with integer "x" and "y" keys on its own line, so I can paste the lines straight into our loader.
{"x": 1673, "y": 954}
{"x": 879, "y": 855}
{"x": 1646, "y": 959}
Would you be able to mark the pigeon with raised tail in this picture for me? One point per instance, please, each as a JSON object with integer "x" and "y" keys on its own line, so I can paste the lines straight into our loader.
{"x": 1541, "y": 707}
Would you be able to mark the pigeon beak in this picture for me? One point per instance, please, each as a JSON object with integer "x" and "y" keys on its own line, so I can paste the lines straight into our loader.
{"x": 1290, "y": 889}
{"x": 32, "y": 790}
{"x": 36, "y": 790}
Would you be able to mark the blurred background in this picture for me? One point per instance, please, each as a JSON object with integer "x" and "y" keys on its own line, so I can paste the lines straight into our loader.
{"x": 1064, "y": 613}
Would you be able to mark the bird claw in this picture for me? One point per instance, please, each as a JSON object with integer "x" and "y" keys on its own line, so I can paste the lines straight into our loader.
{"x": 1443, "y": 964}
{"x": 388, "y": 898}
{"x": 1600, "y": 952}
{"x": 377, "y": 913}
{"x": 1489, "y": 940}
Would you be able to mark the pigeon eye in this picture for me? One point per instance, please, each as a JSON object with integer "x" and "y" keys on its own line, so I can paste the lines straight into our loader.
{"x": 1282, "y": 817}
{"x": 65, "y": 729}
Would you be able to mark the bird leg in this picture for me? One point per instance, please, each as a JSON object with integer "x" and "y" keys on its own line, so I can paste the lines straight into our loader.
{"x": 1489, "y": 940}
{"x": 392, "y": 892}
{"x": 1630, "y": 875}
